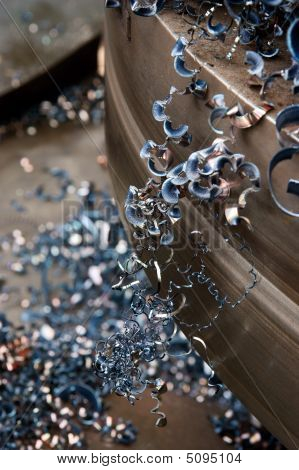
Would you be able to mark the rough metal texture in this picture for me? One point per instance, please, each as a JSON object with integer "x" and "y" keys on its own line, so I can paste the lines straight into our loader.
{"x": 255, "y": 347}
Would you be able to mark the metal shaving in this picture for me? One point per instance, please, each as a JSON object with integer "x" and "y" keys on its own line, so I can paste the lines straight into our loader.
{"x": 207, "y": 176}
{"x": 49, "y": 393}
{"x": 258, "y": 23}
{"x": 50, "y": 396}
{"x": 238, "y": 118}
{"x": 257, "y": 65}
{"x": 46, "y": 365}
{"x": 83, "y": 104}
{"x": 287, "y": 130}
{"x": 237, "y": 427}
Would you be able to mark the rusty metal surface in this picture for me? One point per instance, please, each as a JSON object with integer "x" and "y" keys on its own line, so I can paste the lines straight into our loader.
{"x": 255, "y": 346}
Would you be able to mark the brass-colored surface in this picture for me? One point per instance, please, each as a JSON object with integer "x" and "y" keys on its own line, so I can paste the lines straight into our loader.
{"x": 255, "y": 346}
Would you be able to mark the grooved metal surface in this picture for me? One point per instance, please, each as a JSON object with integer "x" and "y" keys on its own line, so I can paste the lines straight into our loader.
{"x": 255, "y": 346}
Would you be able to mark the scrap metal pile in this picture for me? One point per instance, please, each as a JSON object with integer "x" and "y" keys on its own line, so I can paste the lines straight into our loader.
{"x": 49, "y": 393}
{"x": 50, "y": 390}
{"x": 50, "y": 396}
{"x": 82, "y": 103}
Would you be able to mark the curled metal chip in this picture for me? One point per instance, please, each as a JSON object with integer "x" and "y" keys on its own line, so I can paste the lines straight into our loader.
{"x": 267, "y": 49}
{"x": 170, "y": 193}
{"x": 283, "y": 154}
{"x": 181, "y": 69}
{"x": 233, "y": 217}
{"x": 243, "y": 121}
{"x": 167, "y": 236}
{"x": 217, "y": 101}
{"x": 146, "y": 7}
{"x": 174, "y": 133}
{"x": 192, "y": 165}
{"x": 251, "y": 171}
{"x": 218, "y": 29}
{"x": 256, "y": 63}
{"x": 175, "y": 213}
{"x": 156, "y": 394}
{"x": 204, "y": 192}
{"x": 293, "y": 39}
{"x": 199, "y": 88}
{"x": 159, "y": 110}
{"x": 151, "y": 149}
{"x": 152, "y": 167}
{"x": 179, "y": 47}
{"x": 287, "y": 126}
{"x": 177, "y": 174}
{"x": 216, "y": 115}
{"x": 134, "y": 215}
{"x": 247, "y": 35}
{"x": 216, "y": 164}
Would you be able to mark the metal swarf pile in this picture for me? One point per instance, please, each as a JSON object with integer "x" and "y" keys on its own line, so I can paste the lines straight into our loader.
{"x": 81, "y": 103}
{"x": 50, "y": 396}
{"x": 49, "y": 393}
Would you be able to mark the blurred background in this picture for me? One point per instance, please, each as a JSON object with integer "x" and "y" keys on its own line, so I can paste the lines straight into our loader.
{"x": 57, "y": 262}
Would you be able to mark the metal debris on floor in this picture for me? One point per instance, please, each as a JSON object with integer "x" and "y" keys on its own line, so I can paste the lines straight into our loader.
{"x": 49, "y": 393}
{"x": 82, "y": 103}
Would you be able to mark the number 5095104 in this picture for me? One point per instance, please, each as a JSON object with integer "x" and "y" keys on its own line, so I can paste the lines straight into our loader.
{"x": 213, "y": 457}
